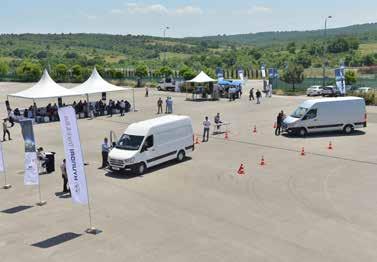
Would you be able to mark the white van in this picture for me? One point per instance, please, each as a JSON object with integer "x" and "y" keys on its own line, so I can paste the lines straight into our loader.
{"x": 327, "y": 114}
{"x": 152, "y": 142}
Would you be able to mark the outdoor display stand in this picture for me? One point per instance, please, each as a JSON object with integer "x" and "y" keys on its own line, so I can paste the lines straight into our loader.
{"x": 201, "y": 78}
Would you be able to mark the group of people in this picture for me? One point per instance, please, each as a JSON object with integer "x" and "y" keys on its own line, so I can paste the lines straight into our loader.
{"x": 258, "y": 95}
{"x": 101, "y": 108}
{"x": 168, "y": 105}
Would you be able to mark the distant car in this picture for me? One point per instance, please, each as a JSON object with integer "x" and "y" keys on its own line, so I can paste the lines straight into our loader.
{"x": 330, "y": 91}
{"x": 167, "y": 84}
{"x": 364, "y": 90}
{"x": 314, "y": 91}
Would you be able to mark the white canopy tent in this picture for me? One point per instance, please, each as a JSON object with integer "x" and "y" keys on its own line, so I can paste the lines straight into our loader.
{"x": 95, "y": 84}
{"x": 45, "y": 88}
{"x": 202, "y": 78}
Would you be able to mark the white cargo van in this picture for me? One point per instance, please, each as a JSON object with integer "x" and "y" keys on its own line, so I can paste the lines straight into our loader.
{"x": 327, "y": 114}
{"x": 152, "y": 142}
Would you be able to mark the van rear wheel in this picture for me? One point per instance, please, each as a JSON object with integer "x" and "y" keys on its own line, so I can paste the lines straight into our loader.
{"x": 348, "y": 129}
{"x": 181, "y": 156}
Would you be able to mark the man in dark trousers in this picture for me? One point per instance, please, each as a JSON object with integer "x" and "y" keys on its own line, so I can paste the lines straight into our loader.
{"x": 105, "y": 148}
{"x": 63, "y": 169}
{"x": 251, "y": 94}
{"x": 279, "y": 122}
{"x": 159, "y": 106}
{"x": 6, "y": 130}
{"x": 206, "y": 126}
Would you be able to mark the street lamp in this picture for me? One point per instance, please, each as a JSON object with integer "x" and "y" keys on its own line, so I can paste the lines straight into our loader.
{"x": 166, "y": 28}
{"x": 324, "y": 52}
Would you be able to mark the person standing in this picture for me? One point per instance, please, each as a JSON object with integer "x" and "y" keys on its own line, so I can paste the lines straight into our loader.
{"x": 122, "y": 107}
{"x": 170, "y": 105}
{"x": 206, "y": 125}
{"x": 6, "y": 130}
{"x": 105, "y": 152}
{"x": 159, "y": 106}
{"x": 146, "y": 91}
{"x": 259, "y": 96}
{"x": 279, "y": 122}
{"x": 166, "y": 105}
{"x": 11, "y": 117}
{"x": 218, "y": 121}
{"x": 251, "y": 94}
{"x": 63, "y": 169}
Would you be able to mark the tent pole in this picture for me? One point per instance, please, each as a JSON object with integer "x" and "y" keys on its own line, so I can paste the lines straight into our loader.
{"x": 87, "y": 103}
{"x": 34, "y": 110}
{"x": 133, "y": 99}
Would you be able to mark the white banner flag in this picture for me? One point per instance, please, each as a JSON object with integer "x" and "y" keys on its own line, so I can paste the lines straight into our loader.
{"x": 31, "y": 176}
{"x": 2, "y": 165}
{"x": 73, "y": 155}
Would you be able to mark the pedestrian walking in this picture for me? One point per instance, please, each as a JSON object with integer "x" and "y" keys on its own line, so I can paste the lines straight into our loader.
{"x": 251, "y": 94}
{"x": 63, "y": 169}
{"x": 146, "y": 91}
{"x": 11, "y": 117}
{"x": 279, "y": 122}
{"x": 6, "y": 130}
{"x": 206, "y": 125}
{"x": 259, "y": 96}
{"x": 105, "y": 148}
{"x": 159, "y": 106}
{"x": 166, "y": 105}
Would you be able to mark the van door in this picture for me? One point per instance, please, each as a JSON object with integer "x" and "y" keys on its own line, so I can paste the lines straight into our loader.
{"x": 310, "y": 121}
{"x": 148, "y": 150}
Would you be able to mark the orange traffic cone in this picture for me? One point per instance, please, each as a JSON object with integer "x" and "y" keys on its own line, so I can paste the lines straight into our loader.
{"x": 226, "y": 135}
{"x": 302, "y": 151}
{"x": 275, "y": 125}
{"x": 330, "y": 146}
{"x": 197, "y": 142}
{"x": 241, "y": 170}
{"x": 255, "y": 129}
{"x": 262, "y": 163}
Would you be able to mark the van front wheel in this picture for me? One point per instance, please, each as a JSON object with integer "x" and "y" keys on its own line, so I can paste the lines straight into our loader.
{"x": 302, "y": 132}
{"x": 140, "y": 169}
{"x": 181, "y": 156}
{"x": 348, "y": 129}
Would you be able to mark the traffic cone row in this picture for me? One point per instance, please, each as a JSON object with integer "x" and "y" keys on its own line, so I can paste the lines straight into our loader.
{"x": 330, "y": 146}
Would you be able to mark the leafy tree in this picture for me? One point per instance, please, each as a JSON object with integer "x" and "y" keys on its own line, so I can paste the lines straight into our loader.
{"x": 187, "y": 73}
{"x": 165, "y": 71}
{"x": 42, "y": 54}
{"x": 4, "y": 68}
{"x": 368, "y": 60}
{"x": 303, "y": 59}
{"x": 29, "y": 71}
{"x": 61, "y": 72}
{"x": 291, "y": 47}
{"x": 294, "y": 74}
{"x": 350, "y": 77}
{"x": 141, "y": 71}
{"x": 77, "y": 73}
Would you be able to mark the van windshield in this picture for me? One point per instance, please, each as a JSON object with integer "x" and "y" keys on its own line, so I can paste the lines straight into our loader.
{"x": 129, "y": 142}
{"x": 299, "y": 112}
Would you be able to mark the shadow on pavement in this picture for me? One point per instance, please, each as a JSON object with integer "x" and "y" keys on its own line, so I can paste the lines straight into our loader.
{"x": 16, "y": 209}
{"x": 57, "y": 240}
{"x": 131, "y": 175}
{"x": 326, "y": 134}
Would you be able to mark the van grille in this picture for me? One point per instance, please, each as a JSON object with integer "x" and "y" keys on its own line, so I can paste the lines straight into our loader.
{"x": 116, "y": 162}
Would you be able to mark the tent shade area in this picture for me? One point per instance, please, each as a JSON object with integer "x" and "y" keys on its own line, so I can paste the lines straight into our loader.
{"x": 96, "y": 84}
{"x": 199, "y": 91}
{"x": 45, "y": 88}
{"x": 202, "y": 78}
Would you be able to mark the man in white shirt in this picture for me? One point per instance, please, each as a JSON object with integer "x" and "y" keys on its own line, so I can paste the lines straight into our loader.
{"x": 105, "y": 148}
{"x": 206, "y": 125}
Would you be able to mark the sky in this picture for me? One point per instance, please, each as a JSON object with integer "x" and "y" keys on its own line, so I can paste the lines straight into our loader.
{"x": 184, "y": 18}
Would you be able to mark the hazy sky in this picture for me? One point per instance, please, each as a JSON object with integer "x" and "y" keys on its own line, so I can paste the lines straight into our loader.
{"x": 186, "y": 18}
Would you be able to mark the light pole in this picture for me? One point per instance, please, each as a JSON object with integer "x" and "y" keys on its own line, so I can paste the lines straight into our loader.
{"x": 324, "y": 52}
{"x": 166, "y": 28}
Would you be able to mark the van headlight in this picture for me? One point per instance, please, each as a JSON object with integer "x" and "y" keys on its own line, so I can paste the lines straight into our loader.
{"x": 130, "y": 160}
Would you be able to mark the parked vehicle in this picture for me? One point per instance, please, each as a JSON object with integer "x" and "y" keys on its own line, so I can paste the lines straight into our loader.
{"x": 330, "y": 91}
{"x": 167, "y": 84}
{"x": 314, "y": 91}
{"x": 364, "y": 90}
{"x": 152, "y": 142}
{"x": 327, "y": 114}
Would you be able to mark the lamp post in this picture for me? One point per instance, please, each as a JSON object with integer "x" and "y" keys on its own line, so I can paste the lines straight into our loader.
{"x": 324, "y": 52}
{"x": 166, "y": 28}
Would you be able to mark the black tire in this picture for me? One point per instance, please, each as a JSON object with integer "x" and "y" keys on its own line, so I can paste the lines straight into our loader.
{"x": 159, "y": 88}
{"x": 348, "y": 129}
{"x": 181, "y": 156}
{"x": 140, "y": 169}
{"x": 302, "y": 132}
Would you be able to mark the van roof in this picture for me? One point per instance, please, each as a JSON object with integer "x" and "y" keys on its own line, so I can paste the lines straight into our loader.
{"x": 142, "y": 128}
{"x": 311, "y": 102}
